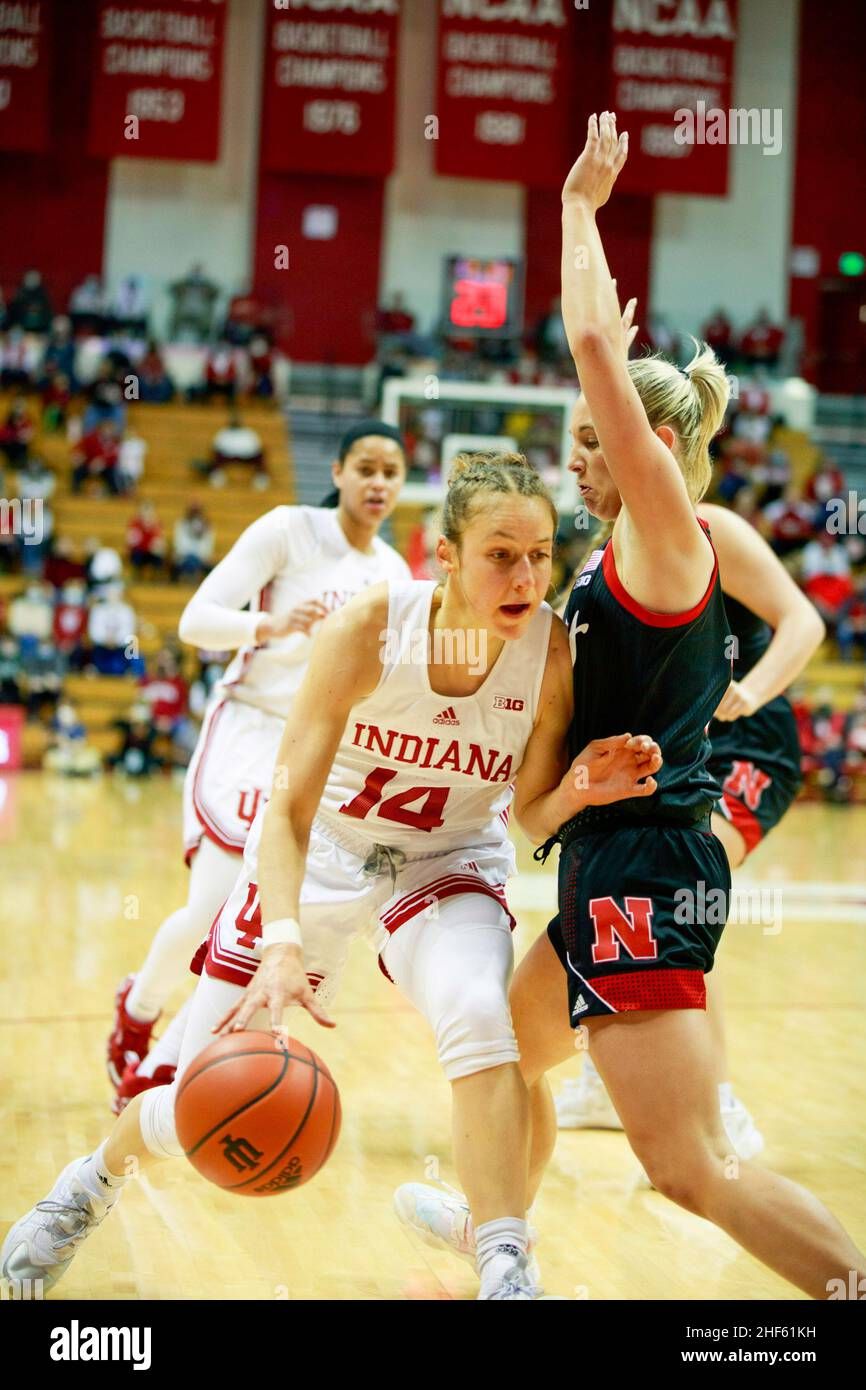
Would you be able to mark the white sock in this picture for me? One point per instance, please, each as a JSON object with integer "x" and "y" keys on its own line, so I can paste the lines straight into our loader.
{"x": 726, "y": 1095}
{"x": 498, "y": 1244}
{"x": 166, "y": 1050}
{"x": 164, "y": 967}
{"x": 98, "y": 1178}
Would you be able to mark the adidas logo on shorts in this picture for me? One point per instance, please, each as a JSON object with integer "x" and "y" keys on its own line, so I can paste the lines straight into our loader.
{"x": 447, "y": 716}
{"x": 580, "y": 1005}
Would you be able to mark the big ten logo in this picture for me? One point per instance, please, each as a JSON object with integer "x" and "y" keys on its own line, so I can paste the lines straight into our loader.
{"x": 5, "y": 93}
{"x": 581, "y": 1039}
{"x": 508, "y": 702}
{"x": 499, "y": 128}
{"x": 432, "y": 1168}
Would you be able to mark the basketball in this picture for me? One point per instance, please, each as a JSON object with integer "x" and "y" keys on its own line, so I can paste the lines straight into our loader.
{"x": 258, "y": 1116}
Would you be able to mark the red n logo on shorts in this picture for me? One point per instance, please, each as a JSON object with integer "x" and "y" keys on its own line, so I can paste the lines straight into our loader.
{"x": 748, "y": 782}
{"x": 633, "y": 928}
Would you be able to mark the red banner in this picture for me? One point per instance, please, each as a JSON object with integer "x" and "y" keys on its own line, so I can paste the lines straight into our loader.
{"x": 505, "y": 90}
{"x": 157, "y": 80}
{"x": 671, "y": 87}
{"x": 26, "y": 32}
{"x": 329, "y": 87}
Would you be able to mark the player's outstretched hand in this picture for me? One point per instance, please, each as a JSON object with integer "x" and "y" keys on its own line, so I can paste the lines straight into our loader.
{"x": 593, "y": 175}
{"x": 279, "y": 982}
{"x": 300, "y": 619}
{"x": 614, "y": 769}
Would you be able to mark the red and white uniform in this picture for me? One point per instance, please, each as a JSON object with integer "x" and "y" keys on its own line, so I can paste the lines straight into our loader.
{"x": 290, "y": 556}
{"x": 415, "y": 807}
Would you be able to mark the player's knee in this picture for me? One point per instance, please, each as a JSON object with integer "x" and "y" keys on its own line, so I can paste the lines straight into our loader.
{"x": 156, "y": 1119}
{"x": 474, "y": 1030}
{"x": 683, "y": 1168}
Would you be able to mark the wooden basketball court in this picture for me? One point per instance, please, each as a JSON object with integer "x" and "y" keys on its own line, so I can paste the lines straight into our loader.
{"x": 92, "y": 868}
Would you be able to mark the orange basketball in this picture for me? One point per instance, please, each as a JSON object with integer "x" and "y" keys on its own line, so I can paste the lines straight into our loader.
{"x": 257, "y": 1115}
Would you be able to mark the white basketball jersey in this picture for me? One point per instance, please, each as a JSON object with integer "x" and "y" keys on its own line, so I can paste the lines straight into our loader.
{"x": 313, "y": 562}
{"x": 423, "y": 772}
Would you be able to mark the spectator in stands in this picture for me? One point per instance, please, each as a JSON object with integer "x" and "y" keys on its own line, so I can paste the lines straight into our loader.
{"x": 112, "y": 627}
{"x": 167, "y": 695}
{"x": 718, "y": 331}
{"x": 242, "y": 320}
{"x": 19, "y": 359}
{"x": 790, "y": 521}
{"x": 828, "y": 726}
{"x": 96, "y": 456}
{"x": 193, "y": 544}
{"x": 238, "y": 443}
{"x": 56, "y": 399}
{"x": 31, "y": 308}
{"x": 261, "y": 367}
{"x": 155, "y": 385}
{"x": 825, "y": 573}
{"x": 87, "y": 307}
{"x": 221, "y": 373}
{"x": 17, "y": 431}
{"x": 851, "y": 631}
{"x": 103, "y": 566}
{"x": 69, "y": 751}
{"x": 131, "y": 307}
{"x": 35, "y": 479}
{"x": 36, "y": 536}
{"x": 62, "y": 565}
{"x": 31, "y": 616}
{"x": 145, "y": 540}
{"x": 43, "y": 669}
{"x": 10, "y": 672}
{"x": 70, "y": 623}
{"x": 130, "y": 461}
{"x": 136, "y": 756}
{"x": 762, "y": 341}
{"x": 194, "y": 302}
{"x": 59, "y": 352}
{"x": 826, "y": 482}
{"x": 105, "y": 401}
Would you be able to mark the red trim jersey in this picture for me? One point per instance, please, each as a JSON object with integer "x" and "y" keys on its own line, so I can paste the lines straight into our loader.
{"x": 290, "y": 556}
{"x": 424, "y": 772}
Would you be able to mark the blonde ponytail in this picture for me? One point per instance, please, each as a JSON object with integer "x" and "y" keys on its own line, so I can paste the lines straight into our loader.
{"x": 692, "y": 401}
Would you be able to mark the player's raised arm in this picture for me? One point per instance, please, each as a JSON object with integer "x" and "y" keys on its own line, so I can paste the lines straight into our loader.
{"x": 659, "y": 511}
{"x": 344, "y": 668}
{"x": 753, "y": 575}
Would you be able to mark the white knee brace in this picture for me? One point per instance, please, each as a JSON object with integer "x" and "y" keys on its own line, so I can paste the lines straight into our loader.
{"x": 156, "y": 1118}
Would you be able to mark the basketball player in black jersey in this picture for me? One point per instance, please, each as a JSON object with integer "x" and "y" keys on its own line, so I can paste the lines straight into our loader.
{"x": 640, "y": 884}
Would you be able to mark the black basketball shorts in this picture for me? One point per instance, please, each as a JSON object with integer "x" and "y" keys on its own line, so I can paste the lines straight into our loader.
{"x": 756, "y": 761}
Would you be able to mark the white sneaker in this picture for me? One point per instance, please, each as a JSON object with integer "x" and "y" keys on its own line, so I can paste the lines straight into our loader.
{"x": 517, "y": 1285}
{"x": 40, "y": 1247}
{"x": 440, "y": 1216}
{"x": 585, "y": 1104}
{"x": 746, "y": 1139}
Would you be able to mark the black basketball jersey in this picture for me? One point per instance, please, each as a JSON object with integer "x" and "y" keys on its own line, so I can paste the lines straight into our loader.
{"x": 649, "y": 673}
{"x": 752, "y": 636}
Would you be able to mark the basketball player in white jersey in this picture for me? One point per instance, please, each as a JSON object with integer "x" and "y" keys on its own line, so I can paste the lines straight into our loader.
{"x": 423, "y": 709}
{"x": 293, "y": 566}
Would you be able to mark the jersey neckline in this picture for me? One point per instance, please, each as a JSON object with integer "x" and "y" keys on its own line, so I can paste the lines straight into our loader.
{"x": 434, "y": 584}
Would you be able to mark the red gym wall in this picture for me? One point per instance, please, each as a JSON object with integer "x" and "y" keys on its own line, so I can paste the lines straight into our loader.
{"x": 52, "y": 213}
{"x": 829, "y": 211}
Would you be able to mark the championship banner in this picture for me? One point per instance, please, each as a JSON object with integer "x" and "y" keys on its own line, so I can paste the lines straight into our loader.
{"x": 505, "y": 89}
{"x": 330, "y": 86}
{"x": 157, "y": 79}
{"x": 26, "y": 33}
{"x": 671, "y": 88}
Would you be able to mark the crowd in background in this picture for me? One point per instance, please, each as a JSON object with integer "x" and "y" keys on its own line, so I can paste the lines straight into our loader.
{"x": 73, "y": 612}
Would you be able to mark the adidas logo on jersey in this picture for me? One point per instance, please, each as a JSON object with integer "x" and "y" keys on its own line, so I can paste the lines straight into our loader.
{"x": 447, "y": 716}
